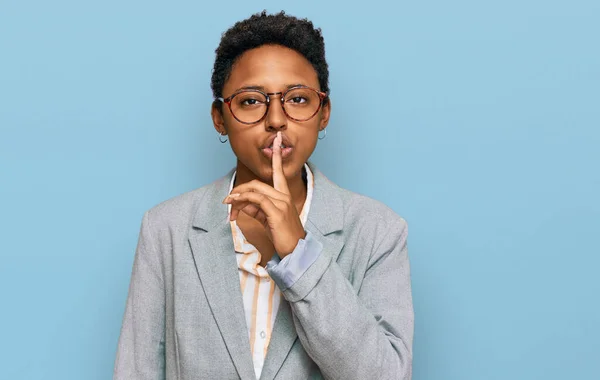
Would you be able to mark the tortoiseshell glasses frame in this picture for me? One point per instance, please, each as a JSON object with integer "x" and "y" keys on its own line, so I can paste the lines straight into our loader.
{"x": 322, "y": 97}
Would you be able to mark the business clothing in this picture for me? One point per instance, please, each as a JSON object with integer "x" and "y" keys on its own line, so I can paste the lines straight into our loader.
{"x": 260, "y": 293}
{"x": 349, "y": 316}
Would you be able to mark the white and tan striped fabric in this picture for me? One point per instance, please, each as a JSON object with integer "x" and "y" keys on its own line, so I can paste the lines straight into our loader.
{"x": 261, "y": 295}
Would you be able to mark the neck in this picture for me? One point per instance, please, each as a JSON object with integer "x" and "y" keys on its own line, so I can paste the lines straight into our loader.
{"x": 295, "y": 183}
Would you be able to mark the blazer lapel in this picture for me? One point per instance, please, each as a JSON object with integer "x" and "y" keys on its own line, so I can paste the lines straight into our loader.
{"x": 283, "y": 337}
{"x": 213, "y": 251}
{"x": 324, "y": 219}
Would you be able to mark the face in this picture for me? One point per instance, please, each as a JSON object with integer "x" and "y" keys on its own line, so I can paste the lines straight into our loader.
{"x": 271, "y": 68}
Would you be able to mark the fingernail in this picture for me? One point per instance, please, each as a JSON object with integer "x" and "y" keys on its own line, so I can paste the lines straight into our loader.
{"x": 230, "y": 197}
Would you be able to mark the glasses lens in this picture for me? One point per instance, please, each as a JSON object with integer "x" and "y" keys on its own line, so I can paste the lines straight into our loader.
{"x": 302, "y": 103}
{"x": 249, "y": 106}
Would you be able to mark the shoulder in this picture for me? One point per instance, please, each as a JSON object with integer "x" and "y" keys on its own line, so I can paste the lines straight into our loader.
{"x": 361, "y": 211}
{"x": 371, "y": 229}
{"x": 177, "y": 207}
{"x": 356, "y": 214}
{"x": 179, "y": 211}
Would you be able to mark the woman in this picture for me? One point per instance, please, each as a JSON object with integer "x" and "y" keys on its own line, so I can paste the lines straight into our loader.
{"x": 271, "y": 272}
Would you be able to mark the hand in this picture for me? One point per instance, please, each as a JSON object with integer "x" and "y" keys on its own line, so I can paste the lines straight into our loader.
{"x": 273, "y": 206}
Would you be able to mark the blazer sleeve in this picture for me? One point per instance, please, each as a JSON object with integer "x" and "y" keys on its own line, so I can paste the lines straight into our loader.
{"x": 364, "y": 335}
{"x": 141, "y": 348}
{"x": 285, "y": 272}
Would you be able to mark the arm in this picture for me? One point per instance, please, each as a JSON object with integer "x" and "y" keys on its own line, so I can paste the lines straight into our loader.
{"x": 141, "y": 349}
{"x": 356, "y": 336}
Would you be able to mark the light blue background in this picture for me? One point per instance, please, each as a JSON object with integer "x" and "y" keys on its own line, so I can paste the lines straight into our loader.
{"x": 476, "y": 121}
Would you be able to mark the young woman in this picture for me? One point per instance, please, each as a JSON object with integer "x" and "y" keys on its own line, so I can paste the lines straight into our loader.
{"x": 273, "y": 271}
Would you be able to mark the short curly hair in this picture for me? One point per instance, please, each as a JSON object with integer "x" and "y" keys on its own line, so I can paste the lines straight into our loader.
{"x": 263, "y": 29}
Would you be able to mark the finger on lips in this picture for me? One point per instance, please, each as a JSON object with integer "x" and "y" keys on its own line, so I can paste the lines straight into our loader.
{"x": 280, "y": 188}
{"x": 279, "y": 181}
{"x": 255, "y": 197}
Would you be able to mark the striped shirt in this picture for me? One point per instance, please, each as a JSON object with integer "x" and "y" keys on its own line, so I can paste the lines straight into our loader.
{"x": 260, "y": 294}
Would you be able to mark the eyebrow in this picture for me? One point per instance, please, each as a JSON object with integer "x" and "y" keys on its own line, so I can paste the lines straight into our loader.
{"x": 262, "y": 88}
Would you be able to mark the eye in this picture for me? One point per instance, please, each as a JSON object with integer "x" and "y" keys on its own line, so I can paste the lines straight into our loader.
{"x": 250, "y": 102}
{"x": 297, "y": 100}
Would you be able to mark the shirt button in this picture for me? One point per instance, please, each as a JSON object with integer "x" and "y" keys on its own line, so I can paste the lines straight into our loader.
{"x": 263, "y": 334}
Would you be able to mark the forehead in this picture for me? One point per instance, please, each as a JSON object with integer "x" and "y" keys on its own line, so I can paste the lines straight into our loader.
{"x": 273, "y": 67}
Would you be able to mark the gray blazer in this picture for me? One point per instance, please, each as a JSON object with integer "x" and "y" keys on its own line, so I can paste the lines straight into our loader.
{"x": 349, "y": 316}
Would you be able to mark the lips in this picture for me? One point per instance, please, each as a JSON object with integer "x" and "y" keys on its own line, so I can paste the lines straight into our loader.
{"x": 285, "y": 152}
{"x": 285, "y": 142}
{"x": 286, "y": 147}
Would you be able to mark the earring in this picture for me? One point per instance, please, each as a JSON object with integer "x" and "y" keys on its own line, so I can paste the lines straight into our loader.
{"x": 324, "y": 135}
{"x": 220, "y": 137}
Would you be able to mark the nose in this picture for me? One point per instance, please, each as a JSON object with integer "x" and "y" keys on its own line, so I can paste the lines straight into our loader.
{"x": 276, "y": 119}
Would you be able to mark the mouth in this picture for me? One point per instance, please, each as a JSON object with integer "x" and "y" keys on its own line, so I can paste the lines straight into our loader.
{"x": 282, "y": 146}
{"x": 286, "y": 147}
{"x": 286, "y": 151}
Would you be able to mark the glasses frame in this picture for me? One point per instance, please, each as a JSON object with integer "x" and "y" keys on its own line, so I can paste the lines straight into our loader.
{"x": 322, "y": 97}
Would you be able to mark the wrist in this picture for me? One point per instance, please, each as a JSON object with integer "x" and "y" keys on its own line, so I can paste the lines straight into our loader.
{"x": 290, "y": 251}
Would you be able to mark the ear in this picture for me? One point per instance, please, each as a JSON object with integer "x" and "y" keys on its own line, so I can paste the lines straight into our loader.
{"x": 325, "y": 114}
{"x": 216, "y": 113}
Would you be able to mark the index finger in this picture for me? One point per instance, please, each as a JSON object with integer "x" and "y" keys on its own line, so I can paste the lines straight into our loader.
{"x": 279, "y": 181}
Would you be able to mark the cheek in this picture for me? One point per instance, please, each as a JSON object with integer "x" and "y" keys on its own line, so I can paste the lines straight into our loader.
{"x": 309, "y": 139}
{"x": 242, "y": 141}
{"x": 228, "y": 118}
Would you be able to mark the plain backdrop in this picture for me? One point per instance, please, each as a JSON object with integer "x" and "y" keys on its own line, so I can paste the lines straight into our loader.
{"x": 478, "y": 122}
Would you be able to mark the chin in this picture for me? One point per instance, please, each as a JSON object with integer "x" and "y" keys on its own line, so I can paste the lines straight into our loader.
{"x": 290, "y": 169}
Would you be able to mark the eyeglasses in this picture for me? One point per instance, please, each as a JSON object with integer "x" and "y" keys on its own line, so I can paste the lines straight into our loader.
{"x": 299, "y": 103}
